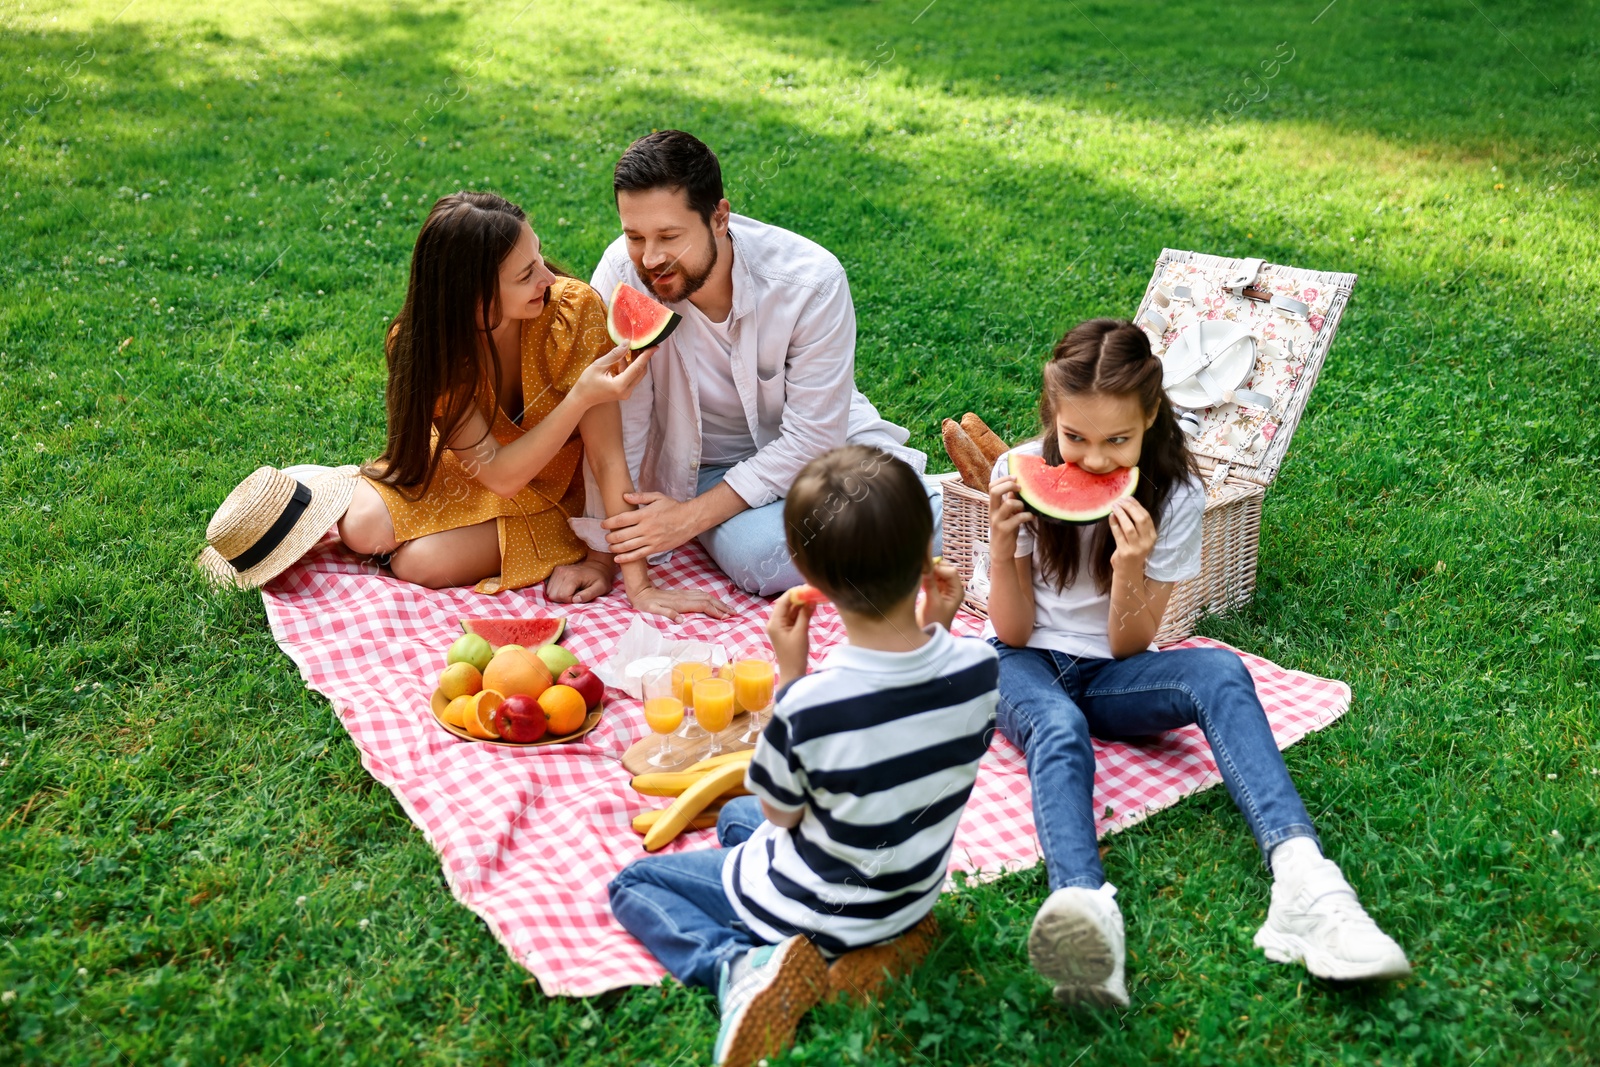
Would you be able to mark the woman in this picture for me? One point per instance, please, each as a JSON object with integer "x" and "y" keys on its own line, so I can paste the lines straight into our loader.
{"x": 501, "y": 381}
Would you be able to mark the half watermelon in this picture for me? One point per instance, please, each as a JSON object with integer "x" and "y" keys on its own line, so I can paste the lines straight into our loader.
{"x": 529, "y": 633}
{"x": 636, "y": 320}
{"x": 1069, "y": 493}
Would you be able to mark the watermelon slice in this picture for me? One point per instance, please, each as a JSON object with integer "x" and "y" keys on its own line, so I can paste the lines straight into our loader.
{"x": 1069, "y": 493}
{"x": 807, "y": 594}
{"x": 636, "y": 320}
{"x": 529, "y": 633}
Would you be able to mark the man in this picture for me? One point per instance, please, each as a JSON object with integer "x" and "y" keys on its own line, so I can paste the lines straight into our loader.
{"x": 757, "y": 381}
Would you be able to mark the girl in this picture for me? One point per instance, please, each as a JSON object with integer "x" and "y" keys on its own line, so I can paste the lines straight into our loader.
{"x": 502, "y": 382}
{"x": 1072, "y": 613}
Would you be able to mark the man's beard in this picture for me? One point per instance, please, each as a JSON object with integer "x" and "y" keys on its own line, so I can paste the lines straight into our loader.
{"x": 691, "y": 282}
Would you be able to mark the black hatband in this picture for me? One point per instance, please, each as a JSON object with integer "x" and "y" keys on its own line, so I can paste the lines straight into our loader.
{"x": 280, "y": 529}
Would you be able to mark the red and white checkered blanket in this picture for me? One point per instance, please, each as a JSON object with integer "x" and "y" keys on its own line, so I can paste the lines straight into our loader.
{"x": 528, "y": 838}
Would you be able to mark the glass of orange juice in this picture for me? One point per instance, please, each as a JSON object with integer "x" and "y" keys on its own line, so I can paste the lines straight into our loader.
{"x": 755, "y": 677}
{"x": 663, "y": 713}
{"x": 684, "y": 675}
{"x": 713, "y": 709}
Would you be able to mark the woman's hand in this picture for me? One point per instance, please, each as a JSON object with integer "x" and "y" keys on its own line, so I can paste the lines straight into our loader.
{"x": 674, "y": 603}
{"x": 1006, "y": 516}
{"x": 789, "y": 630}
{"x": 942, "y": 591}
{"x": 607, "y": 381}
{"x": 1135, "y": 534}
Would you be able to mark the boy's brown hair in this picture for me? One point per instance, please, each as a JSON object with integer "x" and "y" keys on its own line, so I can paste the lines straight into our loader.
{"x": 859, "y": 527}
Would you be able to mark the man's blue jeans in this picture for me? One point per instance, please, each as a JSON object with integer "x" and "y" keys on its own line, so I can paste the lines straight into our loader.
{"x": 1052, "y": 703}
{"x": 751, "y": 549}
{"x": 676, "y": 906}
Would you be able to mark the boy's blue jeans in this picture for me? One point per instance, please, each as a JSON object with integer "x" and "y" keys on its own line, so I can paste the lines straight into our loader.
{"x": 1052, "y": 703}
{"x": 750, "y": 547}
{"x": 675, "y": 905}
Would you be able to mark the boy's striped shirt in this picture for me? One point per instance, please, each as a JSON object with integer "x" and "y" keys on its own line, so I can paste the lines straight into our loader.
{"x": 880, "y": 749}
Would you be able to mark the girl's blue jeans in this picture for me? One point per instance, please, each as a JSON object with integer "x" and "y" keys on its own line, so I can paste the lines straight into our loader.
{"x": 1051, "y": 704}
{"x": 676, "y": 906}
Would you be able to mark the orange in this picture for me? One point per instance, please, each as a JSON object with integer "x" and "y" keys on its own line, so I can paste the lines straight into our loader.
{"x": 517, "y": 671}
{"x": 455, "y": 713}
{"x": 480, "y": 715}
{"x": 564, "y": 709}
{"x": 459, "y": 680}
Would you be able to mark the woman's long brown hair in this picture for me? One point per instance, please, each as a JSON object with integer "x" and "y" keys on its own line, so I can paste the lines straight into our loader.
{"x": 1111, "y": 357}
{"x": 439, "y": 346}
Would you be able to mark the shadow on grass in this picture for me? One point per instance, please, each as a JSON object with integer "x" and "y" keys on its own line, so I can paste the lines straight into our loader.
{"x": 967, "y": 257}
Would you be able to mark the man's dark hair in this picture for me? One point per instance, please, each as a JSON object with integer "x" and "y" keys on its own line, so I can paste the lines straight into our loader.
{"x": 859, "y": 527}
{"x": 672, "y": 159}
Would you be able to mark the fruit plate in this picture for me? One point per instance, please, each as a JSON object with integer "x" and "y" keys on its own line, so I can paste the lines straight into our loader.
{"x": 589, "y": 722}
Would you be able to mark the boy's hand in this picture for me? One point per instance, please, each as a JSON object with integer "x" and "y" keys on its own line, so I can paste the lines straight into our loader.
{"x": 942, "y": 590}
{"x": 789, "y": 630}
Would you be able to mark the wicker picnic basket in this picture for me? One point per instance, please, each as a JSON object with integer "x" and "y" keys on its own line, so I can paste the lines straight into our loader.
{"x": 1292, "y": 316}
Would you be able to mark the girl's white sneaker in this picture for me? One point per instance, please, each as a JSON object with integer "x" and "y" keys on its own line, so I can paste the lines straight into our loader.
{"x": 1316, "y": 919}
{"x": 1077, "y": 944}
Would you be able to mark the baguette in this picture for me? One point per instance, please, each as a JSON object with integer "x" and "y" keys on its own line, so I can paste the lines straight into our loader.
{"x": 988, "y": 442}
{"x": 967, "y": 456}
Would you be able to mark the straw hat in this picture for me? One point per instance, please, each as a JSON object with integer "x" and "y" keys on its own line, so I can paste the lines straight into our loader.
{"x": 269, "y": 521}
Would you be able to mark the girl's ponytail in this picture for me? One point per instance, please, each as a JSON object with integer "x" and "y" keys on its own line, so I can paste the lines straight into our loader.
{"x": 1111, "y": 357}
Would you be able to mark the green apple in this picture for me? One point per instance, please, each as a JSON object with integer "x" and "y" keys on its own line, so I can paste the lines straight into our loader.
{"x": 556, "y": 658}
{"x": 470, "y": 648}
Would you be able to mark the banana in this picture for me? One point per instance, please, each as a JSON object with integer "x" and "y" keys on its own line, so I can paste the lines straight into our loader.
{"x": 673, "y": 783}
{"x": 715, "y": 783}
{"x": 665, "y": 784}
{"x": 717, "y": 761}
{"x": 704, "y": 821}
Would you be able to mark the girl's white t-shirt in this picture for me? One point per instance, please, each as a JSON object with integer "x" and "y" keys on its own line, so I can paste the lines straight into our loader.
{"x": 1074, "y": 619}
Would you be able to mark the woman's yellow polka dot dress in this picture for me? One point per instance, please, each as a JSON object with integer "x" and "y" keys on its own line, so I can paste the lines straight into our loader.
{"x": 534, "y": 536}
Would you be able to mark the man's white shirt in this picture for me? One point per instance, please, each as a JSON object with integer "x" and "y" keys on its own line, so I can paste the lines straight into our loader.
{"x": 792, "y": 364}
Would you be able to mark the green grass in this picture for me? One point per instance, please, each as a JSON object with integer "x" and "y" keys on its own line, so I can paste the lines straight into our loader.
{"x": 206, "y": 219}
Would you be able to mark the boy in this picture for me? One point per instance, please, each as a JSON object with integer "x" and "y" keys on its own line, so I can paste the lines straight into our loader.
{"x": 862, "y": 773}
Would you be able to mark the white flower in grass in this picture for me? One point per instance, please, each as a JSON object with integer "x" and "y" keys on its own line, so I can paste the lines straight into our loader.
{"x": 57, "y": 895}
{"x": 300, "y": 901}
{"x": 1556, "y": 834}
{"x": 364, "y": 923}
{"x": 1551, "y": 777}
{"x": 83, "y": 972}
{"x": 8, "y": 996}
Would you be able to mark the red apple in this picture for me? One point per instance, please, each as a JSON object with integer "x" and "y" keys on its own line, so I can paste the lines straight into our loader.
{"x": 581, "y": 678}
{"x": 520, "y": 718}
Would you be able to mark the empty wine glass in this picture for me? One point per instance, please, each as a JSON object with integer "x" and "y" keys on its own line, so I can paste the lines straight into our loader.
{"x": 663, "y": 713}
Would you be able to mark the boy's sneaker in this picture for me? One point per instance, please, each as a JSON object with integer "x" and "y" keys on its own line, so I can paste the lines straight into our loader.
{"x": 763, "y": 995}
{"x": 857, "y": 975}
{"x": 1077, "y": 944}
{"x": 1316, "y": 919}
